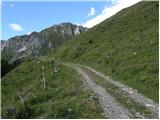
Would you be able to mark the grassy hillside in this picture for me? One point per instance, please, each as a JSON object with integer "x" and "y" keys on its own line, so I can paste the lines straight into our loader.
{"x": 124, "y": 47}
{"x": 23, "y": 95}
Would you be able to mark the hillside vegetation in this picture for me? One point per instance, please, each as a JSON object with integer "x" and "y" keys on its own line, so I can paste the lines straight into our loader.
{"x": 65, "y": 96}
{"x": 124, "y": 47}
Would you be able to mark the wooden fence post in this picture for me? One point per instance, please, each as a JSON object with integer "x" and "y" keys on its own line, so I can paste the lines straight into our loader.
{"x": 44, "y": 80}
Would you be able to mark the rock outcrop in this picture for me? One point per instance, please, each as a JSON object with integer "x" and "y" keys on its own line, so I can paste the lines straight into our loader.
{"x": 37, "y": 43}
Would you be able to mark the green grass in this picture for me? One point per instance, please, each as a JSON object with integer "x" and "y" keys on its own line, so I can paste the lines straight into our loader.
{"x": 125, "y": 47}
{"x": 65, "y": 96}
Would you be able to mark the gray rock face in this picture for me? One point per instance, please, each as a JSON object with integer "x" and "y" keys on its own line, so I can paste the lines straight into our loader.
{"x": 37, "y": 43}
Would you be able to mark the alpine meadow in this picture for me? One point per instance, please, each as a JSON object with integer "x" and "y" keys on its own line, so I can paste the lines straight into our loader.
{"x": 69, "y": 71}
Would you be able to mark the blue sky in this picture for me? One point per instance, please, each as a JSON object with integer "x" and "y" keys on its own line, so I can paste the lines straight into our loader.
{"x": 20, "y": 18}
{"x": 35, "y": 16}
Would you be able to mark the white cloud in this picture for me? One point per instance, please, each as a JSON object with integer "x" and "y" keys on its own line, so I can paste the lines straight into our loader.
{"x": 16, "y": 27}
{"x": 109, "y": 11}
{"x": 11, "y": 5}
{"x": 29, "y": 33}
{"x": 91, "y": 12}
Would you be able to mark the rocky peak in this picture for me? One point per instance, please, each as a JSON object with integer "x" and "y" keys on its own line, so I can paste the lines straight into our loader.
{"x": 38, "y": 42}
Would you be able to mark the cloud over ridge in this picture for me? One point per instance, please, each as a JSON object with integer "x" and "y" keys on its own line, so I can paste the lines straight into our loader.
{"x": 109, "y": 11}
{"x": 16, "y": 27}
{"x": 91, "y": 12}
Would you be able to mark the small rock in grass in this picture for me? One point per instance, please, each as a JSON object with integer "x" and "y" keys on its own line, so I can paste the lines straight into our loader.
{"x": 69, "y": 110}
{"x": 135, "y": 53}
{"x": 148, "y": 105}
{"x": 93, "y": 97}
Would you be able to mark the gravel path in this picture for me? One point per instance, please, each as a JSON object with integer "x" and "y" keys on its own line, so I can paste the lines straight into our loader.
{"x": 133, "y": 94}
{"x": 111, "y": 107}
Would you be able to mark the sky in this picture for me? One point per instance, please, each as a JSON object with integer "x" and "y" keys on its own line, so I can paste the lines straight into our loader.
{"x": 19, "y": 18}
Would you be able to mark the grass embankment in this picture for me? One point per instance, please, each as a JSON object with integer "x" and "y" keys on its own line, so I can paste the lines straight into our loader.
{"x": 124, "y": 47}
{"x": 65, "y": 96}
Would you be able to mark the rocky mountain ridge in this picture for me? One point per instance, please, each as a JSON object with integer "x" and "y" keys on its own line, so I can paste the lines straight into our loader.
{"x": 37, "y": 43}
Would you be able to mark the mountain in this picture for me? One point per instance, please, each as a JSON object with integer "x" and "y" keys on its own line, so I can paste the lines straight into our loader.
{"x": 124, "y": 47}
{"x": 38, "y": 43}
{"x": 109, "y": 71}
